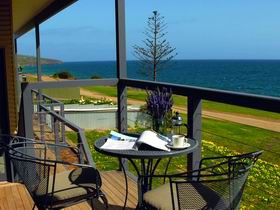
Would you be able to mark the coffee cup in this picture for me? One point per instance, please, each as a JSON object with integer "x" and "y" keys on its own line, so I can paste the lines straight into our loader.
{"x": 178, "y": 140}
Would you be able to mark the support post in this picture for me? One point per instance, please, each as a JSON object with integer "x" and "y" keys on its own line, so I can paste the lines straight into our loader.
{"x": 18, "y": 69}
{"x": 195, "y": 126}
{"x": 38, "y": 53}
{"x": 27, "y": 111}
{"x": 121, "y": 70}
{"x": 39, "y": 74}
{"x": 121, "y": 64}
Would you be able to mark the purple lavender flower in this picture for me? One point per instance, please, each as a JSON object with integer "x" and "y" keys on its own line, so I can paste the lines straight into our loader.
{"x": 159, "y": 102}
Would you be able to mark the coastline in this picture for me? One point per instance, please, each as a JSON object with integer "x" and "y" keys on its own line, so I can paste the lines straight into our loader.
{"x": 259, "y": 77}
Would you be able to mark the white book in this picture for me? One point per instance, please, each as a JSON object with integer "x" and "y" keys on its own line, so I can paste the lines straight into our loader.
{"x": 154, "y": 140}
{"x": 147, "y": 139}
{"x": 111, "y": 144}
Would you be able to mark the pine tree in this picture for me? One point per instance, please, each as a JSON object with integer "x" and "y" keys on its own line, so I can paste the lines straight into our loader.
{"x": 156, "y": 52}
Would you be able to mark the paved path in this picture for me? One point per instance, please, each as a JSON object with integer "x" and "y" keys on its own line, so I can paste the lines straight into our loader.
{"x": 273, "y": 125}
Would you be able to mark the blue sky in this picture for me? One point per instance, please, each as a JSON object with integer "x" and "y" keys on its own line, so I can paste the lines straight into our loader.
{"x": 199, "y": 29}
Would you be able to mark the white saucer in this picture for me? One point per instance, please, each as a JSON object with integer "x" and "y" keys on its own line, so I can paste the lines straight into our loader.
{"x": 186, "y": 145}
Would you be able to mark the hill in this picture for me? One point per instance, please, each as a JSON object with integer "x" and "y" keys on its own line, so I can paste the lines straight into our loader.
{"x": 26, "y": 60}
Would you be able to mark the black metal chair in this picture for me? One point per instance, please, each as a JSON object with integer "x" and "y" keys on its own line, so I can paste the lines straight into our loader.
{"x": 217, "y": 184}
{"x": 52, "y": 182}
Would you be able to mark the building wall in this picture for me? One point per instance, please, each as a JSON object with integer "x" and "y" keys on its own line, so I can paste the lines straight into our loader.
{"x": 6, "y": 41}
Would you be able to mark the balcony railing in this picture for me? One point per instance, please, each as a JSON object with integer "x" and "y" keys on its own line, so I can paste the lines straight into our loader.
{"x": 194, "y": 100}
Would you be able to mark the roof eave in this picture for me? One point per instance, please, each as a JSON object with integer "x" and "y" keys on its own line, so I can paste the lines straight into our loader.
{"x": 51, "y": 10}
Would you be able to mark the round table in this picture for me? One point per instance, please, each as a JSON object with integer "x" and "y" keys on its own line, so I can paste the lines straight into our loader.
{"x": 149, "y": 161}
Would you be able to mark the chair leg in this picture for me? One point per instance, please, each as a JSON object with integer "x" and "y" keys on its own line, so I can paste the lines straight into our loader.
{"x": 39, "y": 208}
{"x": 92, "y": 203}
{"x": 105, "y": 201}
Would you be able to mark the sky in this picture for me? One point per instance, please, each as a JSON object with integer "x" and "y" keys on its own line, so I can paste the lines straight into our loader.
{"x": 198, "y": 29}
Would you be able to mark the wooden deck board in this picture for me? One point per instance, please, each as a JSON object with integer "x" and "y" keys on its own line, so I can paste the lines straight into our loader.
{"x": 15, "y": 196}
{"x": 10, "y": 199}
{"x": 26, "y": 202}
{"x": 119, "y": 183}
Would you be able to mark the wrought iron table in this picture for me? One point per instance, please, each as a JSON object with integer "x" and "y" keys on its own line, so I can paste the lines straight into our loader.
{"x": 149, "y": 160}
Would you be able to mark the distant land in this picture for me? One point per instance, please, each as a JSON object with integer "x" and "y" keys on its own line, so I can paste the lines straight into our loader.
{"x": 26, "y": 60}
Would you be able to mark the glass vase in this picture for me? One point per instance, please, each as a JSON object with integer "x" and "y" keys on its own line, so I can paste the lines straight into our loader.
{"x": 158, "y": 125}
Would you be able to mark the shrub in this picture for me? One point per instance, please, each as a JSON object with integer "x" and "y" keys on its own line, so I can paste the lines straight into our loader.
{"x": 95, "y": 77}
{"x": 63, "y": 75}
{"x": 87, "y": 100}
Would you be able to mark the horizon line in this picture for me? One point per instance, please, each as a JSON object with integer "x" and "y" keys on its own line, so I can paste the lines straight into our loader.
{"x": 193, "y": 59}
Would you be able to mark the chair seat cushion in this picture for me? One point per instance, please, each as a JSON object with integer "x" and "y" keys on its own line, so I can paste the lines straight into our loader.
{"x": 68, "y": 185}
{"x": 160, "y": 198}
{"x": 191, "y": 196}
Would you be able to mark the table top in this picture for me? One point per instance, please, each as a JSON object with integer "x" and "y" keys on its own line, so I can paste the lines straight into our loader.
{"x": 144, "y": 154}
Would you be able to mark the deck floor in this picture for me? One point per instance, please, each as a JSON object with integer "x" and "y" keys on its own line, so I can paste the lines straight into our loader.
{"x": 14, "y": 196}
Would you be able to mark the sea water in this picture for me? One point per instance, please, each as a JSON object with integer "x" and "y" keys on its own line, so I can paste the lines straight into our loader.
{"x": 249, "y": 76}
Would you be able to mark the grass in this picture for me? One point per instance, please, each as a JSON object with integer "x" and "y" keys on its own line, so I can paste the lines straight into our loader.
{"x": 182, "y": 101}
{"x": 63, "y": 93}
{"x": 243, "y": 138}
{"x": 59, "y": 93}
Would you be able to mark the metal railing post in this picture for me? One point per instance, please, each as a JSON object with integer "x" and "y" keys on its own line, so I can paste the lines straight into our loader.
{"x": 52, "y": 118}
{"x": 62, "y": 124}
{"x": 81, "y": 150}
{"x": 84, "y": 147}
{"x": 42, "y": 122}
{"x": 195, "y": 126}
{"x": 56, "y": 131}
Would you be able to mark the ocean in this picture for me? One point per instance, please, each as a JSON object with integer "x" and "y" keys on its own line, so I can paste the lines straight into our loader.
{"x": 250, "y": 76}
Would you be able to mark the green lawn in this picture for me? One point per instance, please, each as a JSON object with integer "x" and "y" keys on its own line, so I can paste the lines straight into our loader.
{"x": 243, "y": 138}
{"x": 182, "y": 101}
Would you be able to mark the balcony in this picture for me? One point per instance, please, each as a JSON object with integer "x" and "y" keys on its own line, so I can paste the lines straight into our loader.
{"x": 42, "y": 117}
{"x": 35, "y": 112}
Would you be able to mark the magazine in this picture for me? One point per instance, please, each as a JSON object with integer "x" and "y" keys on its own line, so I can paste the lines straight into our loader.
{"x": 147, "y": 140}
